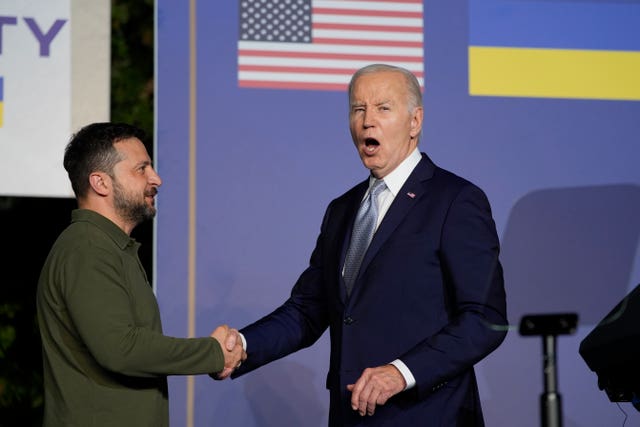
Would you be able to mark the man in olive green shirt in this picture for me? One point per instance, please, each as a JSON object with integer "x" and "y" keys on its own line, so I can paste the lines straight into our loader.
{"x": 105, "y": 358}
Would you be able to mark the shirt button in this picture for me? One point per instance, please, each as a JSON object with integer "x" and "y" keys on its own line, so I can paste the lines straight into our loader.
{"x": 348, "y": 320}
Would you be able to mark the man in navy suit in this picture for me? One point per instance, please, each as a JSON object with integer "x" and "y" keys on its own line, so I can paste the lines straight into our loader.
{"x": 427, "y": 301}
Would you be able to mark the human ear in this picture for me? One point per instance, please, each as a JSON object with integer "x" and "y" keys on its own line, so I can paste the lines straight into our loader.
{"x": 100, "y": 183}
{"x": 416, "y": 122}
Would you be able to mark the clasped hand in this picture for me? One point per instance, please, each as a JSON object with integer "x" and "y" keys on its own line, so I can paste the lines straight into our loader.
{"x": 231, "y": 344}
{"x": 374, "y": 387}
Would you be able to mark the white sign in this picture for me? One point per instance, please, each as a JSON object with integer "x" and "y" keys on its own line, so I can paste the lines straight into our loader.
{"x": 42, "y": 66}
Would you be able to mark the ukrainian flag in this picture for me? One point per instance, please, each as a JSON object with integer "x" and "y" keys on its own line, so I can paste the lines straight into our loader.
{"x": 1, "y": 99}
{"x": 555, "y": 48}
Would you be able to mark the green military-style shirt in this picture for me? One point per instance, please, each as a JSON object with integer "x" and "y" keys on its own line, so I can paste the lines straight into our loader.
{"x": 105, "y": 357}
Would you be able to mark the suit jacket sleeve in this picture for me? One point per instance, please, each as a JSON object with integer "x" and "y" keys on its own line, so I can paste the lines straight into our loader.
{"x": 474, "y": 290}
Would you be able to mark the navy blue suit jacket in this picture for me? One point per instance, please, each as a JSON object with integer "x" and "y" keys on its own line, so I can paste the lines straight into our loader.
{"x": 430, "y": 292}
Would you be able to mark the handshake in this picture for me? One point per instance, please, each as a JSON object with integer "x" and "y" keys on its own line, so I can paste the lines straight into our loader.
{"x": 232, "y": 348}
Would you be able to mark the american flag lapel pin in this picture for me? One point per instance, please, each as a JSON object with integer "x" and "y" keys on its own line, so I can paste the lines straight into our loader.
{"x": 412, "y": 195}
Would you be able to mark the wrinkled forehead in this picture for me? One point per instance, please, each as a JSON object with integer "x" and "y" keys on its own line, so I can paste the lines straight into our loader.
{"x": 381, "y": 86}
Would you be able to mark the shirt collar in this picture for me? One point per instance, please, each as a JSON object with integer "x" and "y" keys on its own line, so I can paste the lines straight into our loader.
{"x": 122, "y": 239}
{"x": 396, "y": 178}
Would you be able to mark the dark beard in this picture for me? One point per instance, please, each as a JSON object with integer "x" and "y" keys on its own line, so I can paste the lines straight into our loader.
{"x": 131, "y": 210}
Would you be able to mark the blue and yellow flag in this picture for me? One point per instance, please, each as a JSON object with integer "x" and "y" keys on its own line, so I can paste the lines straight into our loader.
{"x": 555, "y": 49}
{"x": 1, "y": 100}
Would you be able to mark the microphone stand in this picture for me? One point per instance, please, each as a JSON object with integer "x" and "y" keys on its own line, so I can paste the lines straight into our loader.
{"x": 549, "y": 326}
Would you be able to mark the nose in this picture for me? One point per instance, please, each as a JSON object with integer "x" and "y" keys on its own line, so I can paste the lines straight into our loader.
{"x": 154, "y": 178}
{"x": 367, "y": 119}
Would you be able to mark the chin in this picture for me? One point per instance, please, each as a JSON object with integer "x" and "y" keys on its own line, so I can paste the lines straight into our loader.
{"x": 369, "y": 163}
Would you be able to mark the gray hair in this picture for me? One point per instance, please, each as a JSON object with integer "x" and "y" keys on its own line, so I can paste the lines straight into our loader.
{"x": 413, "y": 86}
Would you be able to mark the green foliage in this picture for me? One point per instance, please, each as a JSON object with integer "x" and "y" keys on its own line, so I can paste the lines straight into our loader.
{"x": 20, "y": 381}
{"x": 132, "y": 82}
{"x": 7, "y": 330}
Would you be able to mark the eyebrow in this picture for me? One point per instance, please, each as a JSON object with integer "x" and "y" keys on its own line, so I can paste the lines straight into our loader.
{"x": 384, "y": 101}
{"x": 143, "y": 163}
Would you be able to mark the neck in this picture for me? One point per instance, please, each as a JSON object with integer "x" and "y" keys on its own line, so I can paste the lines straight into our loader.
{"x": 107, "y": 212}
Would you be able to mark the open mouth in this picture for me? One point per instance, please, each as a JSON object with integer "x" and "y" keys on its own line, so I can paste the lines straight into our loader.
{"x": 151, "y": 194}
{"x": 370, "y": 145}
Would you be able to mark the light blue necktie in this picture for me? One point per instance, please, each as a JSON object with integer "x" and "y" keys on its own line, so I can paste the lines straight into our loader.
{"x": 363, "y": 229}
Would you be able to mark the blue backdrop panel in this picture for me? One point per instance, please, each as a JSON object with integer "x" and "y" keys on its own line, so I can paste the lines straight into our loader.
{"x": 561, "y": 175}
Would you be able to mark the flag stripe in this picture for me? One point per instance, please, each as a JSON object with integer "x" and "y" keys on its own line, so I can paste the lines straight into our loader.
{"x": 554, "y": 73}
{"x": 386, "y": 5}
{"x": 377, "y": 36}
{"x": 308, "y": 67}
{"x": 294, "y": 77}
{"x": 316, "y": 70}
{"x": 590, "y": 25}
{"x": 291, "y": 85}
{"x": 344, "y": 36}
{"x": 328, "y": 55}
{"x": 266, "y": 62}
{"x": 365, "y": 42}
{"x": 257, "y": 48}
{"x": 374, "y": 13}
{"x": 299, "y": 77}
{"x": 362, "y": 27}
{"x": 376, "y": 20}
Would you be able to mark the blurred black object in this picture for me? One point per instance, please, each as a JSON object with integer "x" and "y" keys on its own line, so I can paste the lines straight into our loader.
{"x": 612, "y": 350}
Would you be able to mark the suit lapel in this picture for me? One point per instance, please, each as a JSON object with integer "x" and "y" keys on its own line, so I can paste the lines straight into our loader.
{"x": 410, "y": 193}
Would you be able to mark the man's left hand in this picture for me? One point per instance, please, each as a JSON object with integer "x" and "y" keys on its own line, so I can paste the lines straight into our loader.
{"x": 374, "y": 387}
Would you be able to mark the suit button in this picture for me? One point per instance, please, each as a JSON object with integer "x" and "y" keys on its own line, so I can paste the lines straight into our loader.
{"x": 348, "y": 320}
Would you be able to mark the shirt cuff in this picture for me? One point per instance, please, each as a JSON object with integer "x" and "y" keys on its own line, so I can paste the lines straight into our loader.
{"x": 406, "y": 373}
{"x": 244, "y": 342}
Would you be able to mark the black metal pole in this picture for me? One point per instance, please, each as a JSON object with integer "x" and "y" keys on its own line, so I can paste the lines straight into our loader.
{"x": 550, "y": 400}
{"x": 549, "y": 326}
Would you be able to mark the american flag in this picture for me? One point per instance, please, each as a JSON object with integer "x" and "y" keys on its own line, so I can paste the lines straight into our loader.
{"x": 319, "y": 44}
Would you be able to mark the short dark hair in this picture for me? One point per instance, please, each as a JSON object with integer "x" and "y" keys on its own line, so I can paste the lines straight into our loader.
{"x": 92, "y": 149}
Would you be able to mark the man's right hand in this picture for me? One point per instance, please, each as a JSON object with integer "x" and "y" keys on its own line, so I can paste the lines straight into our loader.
{"x": 231, "y": 344}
